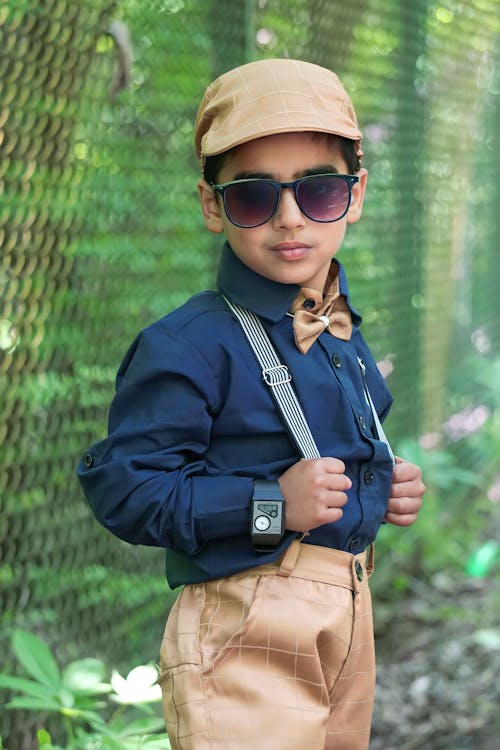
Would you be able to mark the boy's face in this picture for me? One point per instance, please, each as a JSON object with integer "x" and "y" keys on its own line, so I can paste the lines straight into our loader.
{"x": 289, "y": 248}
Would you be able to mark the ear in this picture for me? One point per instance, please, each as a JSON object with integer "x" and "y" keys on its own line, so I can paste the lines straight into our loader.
{"x": 211, "y": 208}
{"x": 358, "y": 196}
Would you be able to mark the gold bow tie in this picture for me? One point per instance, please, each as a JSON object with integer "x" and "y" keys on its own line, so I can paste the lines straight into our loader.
{"x": 312, "y": 315}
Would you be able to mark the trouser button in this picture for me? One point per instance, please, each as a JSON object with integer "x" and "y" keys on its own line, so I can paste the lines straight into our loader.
{"x": 359, "y": 570}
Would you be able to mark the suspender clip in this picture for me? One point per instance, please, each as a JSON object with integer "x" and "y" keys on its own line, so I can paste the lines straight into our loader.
{"x": 279, "y": 375}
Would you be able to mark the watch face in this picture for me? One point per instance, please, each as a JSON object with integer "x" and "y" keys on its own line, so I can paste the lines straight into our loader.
{"x": 262, "y": 523}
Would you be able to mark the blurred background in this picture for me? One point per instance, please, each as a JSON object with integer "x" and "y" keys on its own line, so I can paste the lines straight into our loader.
{"x": 101, "y": 233}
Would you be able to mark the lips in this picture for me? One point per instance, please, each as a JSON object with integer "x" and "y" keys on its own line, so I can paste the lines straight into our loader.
{"x": 291, "y": 250}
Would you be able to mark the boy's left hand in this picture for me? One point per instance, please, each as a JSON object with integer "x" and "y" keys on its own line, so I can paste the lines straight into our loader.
{"x": 406, "y": 494}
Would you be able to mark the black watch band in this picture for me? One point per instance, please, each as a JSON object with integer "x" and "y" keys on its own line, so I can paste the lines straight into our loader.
{"x": 267, "y": 516}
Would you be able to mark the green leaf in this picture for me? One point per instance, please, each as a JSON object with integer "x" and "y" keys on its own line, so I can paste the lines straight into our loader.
{"x": 66, "y": 698}
{"x": 91, "y": 717}
{"x": 111, "y": 743}
{"x": 30, "y": 687}
{"x": 156, "y": 742}
{"x": 36, "y": 658}
{"x": 44, "y": 739}
{"x": 159, "y": 742}
{"x": 147, "y": 725}
{"x": 86, "y": 676}
{"x": 88, "y": 703}
{"x": 34, "y": 704}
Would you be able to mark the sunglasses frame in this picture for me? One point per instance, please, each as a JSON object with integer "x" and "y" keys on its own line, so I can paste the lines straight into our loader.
{"x": 350, "y": 179}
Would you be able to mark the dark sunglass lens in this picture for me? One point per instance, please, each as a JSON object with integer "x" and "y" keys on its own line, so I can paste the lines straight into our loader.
{"x": 324, "y": 198}
{"x": 250, "y": 204}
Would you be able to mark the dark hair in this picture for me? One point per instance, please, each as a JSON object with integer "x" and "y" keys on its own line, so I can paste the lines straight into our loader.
{"x": 348, "y": 149}
{"x": 214, "y": 164}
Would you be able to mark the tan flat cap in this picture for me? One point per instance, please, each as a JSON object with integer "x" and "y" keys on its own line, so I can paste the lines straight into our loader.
{"x": 272, "y": 96}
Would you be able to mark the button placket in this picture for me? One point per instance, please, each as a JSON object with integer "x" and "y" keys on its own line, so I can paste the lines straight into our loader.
{"x": 340, "y": 361}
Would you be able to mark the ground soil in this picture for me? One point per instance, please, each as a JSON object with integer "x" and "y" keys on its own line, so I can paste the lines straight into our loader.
{"x": 438, "y": 679}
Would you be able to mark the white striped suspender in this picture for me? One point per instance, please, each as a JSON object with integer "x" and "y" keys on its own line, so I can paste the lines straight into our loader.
{"x": 278, "y": 378}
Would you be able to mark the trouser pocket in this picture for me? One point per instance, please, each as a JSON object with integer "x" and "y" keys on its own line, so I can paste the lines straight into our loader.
{"x": 207, "y": 620}
{"x": 206, "y": 623}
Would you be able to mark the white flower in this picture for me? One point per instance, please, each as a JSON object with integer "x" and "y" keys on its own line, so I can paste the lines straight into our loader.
{"x": 140, "y": 686}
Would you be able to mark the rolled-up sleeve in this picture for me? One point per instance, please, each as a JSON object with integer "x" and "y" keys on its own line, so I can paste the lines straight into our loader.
{"x": 148, "y": 482}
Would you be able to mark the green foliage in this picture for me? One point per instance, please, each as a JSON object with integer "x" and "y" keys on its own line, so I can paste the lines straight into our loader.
{"x": 101, "y": 233}
{"x": 80, "y": 698}
{"x": 456, "y": 527}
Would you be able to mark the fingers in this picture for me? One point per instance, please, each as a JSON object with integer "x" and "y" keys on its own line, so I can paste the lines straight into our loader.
{"x": 397, "y": 520}
{"x": 328, "y": 474}
{"x": 331, "y": 465}
{"x": 328, "y": 490}
{"x": 331, "y": 515}
{"x": 315, "y": 492}
{"x": 405, "y": 471}
{"x": 333, "y": 483}
{"x": 320, "y": 514}
{"x": 406, "y": 480}
{"x": 404, "y": 505}
{"x": 403, "y": 511}
{"x": 413, "y": 489}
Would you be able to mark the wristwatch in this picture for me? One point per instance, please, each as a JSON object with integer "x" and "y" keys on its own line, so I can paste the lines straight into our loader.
{"x": 267, "y": 515}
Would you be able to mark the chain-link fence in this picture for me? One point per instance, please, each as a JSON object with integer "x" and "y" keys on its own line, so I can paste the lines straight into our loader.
{"x": 100, "y": 234}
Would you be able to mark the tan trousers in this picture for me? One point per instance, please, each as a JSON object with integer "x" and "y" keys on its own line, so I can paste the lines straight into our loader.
{"x": 280, "y": 657}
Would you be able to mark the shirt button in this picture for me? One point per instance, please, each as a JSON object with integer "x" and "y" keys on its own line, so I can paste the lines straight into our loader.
{"x": 354, "y": 544}
{"x": 88, "y": 460}
{"x": 368, "y": 477}
{"x": 308, "y": 304}
{"x": 362, "y": 422}
{"x": 337, "y": 361}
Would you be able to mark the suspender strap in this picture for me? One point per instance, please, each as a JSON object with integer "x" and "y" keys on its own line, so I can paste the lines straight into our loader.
{"x": 278, "y": 378}
{"x": 378, "y": 426}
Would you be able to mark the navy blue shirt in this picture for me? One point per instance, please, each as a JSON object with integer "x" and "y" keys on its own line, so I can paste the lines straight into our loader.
{"x": 192, "y": 426}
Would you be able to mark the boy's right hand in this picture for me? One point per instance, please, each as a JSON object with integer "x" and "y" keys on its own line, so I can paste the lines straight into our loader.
{"x": 314, "y": 492}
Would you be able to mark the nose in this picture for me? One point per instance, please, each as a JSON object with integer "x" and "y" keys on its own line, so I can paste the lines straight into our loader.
{"x": 288, "y": 213}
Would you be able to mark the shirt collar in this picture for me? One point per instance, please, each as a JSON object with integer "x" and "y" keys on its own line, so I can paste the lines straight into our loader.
{"x": 312, "y": 300}
{"x": 268, "y": 299}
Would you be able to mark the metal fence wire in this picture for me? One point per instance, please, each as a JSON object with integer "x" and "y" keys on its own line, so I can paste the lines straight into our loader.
{"x": 100, "y": 234}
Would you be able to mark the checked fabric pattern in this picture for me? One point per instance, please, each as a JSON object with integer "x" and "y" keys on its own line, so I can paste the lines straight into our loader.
{"x": 270, "y": 661}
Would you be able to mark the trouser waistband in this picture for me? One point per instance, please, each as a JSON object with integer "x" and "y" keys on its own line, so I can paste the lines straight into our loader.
{"x": 323, "y": 564}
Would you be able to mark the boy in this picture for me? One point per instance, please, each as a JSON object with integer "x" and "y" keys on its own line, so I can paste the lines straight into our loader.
{"x": 270, "y": 643}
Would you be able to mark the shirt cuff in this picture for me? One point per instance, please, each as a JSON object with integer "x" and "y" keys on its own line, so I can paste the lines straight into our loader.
{"x": 223, "y": 510}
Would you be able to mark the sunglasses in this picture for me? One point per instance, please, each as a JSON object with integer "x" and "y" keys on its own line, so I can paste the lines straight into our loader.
{"x": 321, "y": 197}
